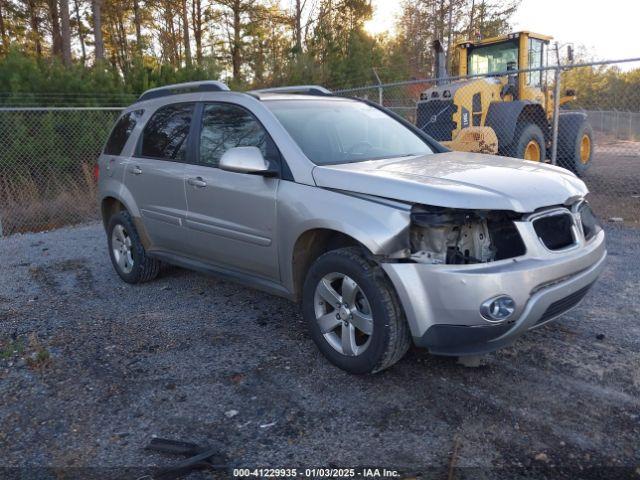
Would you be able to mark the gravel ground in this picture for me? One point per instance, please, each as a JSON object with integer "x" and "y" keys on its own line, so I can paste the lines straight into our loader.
{"x": 91, "y": 369}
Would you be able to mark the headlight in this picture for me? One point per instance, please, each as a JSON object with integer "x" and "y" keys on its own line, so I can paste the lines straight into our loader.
{"x": 589, "y": 221}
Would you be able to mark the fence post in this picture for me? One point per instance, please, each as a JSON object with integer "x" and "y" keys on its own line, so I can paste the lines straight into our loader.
{"x": 556, "y": 113}
{"x": 380, "y": 88}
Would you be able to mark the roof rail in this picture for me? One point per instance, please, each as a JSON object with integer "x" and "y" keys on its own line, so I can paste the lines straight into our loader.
{"x": 300, "y": 89}
{"x": 187, "y": 87}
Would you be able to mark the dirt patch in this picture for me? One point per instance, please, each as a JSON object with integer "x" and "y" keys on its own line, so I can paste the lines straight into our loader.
{"x": 614, "y": 179}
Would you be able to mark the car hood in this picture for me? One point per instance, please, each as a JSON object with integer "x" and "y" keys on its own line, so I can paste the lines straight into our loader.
{"x": 457, "y": 180}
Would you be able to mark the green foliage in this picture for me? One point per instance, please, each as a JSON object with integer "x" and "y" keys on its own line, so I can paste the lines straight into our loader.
{"x": 32, "y": 150}
{"x": 25, "y": 80}
{"x": 604, "y": 88}
{"x": 247, "y": 43}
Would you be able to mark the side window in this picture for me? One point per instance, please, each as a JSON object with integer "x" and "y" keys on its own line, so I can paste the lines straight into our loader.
{"x": 120, "y": 133}
{"x": 225, "y": 126}
{"x": 166, "y": 133}
{"x": 534, "y": 79}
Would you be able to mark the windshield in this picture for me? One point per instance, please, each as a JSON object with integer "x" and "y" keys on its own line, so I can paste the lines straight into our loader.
{"x": 334, "y": 131}
{"x": 493, "y": 58}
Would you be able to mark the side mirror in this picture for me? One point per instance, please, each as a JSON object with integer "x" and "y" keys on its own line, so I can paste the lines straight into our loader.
{"x": 245, "y": 160}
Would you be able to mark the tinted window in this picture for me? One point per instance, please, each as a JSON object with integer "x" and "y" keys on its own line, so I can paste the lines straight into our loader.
{"x": 121, "y": 132}
{"x": 165, "y": 135}
{"x": 226, "y": 126}
{"x": 343, "y": 131}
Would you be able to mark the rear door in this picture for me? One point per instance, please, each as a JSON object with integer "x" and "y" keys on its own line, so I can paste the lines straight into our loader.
{"x": 232, "y": 216}
{"x": 155, "y": 175}
{"x": 115, "y": 156}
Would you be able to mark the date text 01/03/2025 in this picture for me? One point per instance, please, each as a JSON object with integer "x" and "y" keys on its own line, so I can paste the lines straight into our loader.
{"x": 315, "y": 473}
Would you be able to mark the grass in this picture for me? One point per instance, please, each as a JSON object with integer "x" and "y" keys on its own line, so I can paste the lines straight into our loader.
{"x": 36, "y": 356}
{"x": 10, "y": 348}
{"x": 39, "y": 356}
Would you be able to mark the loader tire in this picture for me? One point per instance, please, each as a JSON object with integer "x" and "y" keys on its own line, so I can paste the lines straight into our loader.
{"x": 529, "y": 143}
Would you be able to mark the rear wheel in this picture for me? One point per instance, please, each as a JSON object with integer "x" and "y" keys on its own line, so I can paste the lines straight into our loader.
{"x": 575, "y": 148}
{"x": 353, "y": 313}
{"x": 529, "y": 144}
{"x": 127, "y": 253}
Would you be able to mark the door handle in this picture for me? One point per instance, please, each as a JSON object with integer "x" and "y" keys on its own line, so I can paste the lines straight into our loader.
{"x": 135, "y": 170}
{"x": 197, "y": 182}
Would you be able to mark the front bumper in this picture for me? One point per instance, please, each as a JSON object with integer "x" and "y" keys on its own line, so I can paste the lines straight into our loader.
{"x": 442, "y": 302}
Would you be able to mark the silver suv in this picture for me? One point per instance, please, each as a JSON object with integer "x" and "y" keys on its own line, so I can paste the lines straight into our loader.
{"x": 382, "y": 234}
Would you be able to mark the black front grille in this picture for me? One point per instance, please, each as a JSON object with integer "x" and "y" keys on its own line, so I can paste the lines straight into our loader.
{"x": 555, "y": 231}
{"x": 435, "y": 118}
{"x": 560, "y": 306}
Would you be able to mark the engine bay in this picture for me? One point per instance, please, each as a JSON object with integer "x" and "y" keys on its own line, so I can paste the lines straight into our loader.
{"x": 453, "y": 236}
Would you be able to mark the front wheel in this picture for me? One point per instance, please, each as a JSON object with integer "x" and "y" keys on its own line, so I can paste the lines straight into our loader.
{"x": 353, "y": 312}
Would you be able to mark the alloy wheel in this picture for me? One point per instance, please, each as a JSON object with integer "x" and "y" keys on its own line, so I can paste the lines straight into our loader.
{"x": 121, "y": 248}
{"x": 343, "y": 314}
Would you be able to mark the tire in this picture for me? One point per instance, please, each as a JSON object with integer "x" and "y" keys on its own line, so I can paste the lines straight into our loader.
{"x": 572, "y": 154}
{"x": 128, "y": 257}
{"x": 374, "y": 298}
{"x": 526, "y": 134}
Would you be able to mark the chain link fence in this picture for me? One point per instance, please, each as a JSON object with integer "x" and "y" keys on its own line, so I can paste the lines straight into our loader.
{"x": 47, "y": 154}
{"x": 46, "y": 165}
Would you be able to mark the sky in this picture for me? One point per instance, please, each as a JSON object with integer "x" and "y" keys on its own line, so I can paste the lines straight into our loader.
{"x": 607, "y": 29}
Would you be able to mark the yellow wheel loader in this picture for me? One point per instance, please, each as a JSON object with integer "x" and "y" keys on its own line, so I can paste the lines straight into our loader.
{"x": 508, "y": 114}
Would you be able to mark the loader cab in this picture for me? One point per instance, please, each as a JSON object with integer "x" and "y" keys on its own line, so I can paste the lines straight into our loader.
{"x": 515, "y": 51}
{"x": 496, "y": 107}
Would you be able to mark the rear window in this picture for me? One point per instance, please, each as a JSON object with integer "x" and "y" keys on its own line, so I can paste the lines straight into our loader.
{"x": 121, "y": 132}
{"x": 165, "y": 134}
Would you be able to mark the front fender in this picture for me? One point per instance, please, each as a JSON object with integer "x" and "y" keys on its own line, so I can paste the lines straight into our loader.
{"x": 382, "y": 227}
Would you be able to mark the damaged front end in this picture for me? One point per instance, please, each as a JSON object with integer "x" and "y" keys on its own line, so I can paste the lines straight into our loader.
{"x": 441, "y": 235}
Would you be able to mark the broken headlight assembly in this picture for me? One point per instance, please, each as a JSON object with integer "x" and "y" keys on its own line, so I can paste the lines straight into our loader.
{"x": 589, "y": 221}
{"x": 441, "y": 235}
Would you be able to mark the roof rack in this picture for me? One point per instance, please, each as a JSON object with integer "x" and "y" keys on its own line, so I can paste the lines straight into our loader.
{"x": 187, "y": 87}
{"x": 300, "y": 89}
